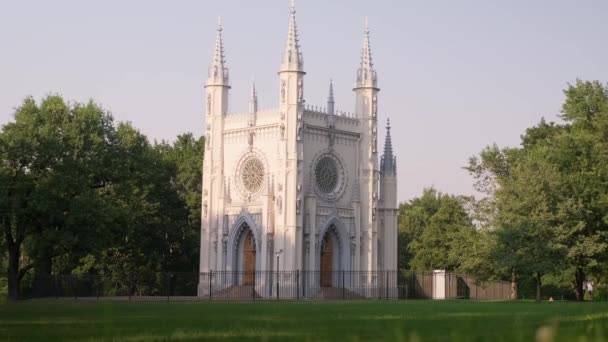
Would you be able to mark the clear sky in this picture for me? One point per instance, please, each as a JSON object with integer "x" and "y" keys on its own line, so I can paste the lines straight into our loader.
{"x": 455, "y": 75}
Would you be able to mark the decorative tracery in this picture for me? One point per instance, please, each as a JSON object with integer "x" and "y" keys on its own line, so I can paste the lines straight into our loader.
{"x": 326, "y": 174}
{"x": 253, "y": 175}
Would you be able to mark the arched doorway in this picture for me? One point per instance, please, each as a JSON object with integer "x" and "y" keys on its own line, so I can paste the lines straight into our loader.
{"x": 327, "y": 256}
{"x": 249, "y": 258}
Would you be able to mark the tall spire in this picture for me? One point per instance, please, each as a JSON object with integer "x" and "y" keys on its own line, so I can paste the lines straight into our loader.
{"x": 218, "y": 73}
{"x": 292, "y": 58}
{"x": 366, "y": 75}
{"x": 330, "y": 98}
{"x": 253, "y": 100}
{"x": 388, "y": 163}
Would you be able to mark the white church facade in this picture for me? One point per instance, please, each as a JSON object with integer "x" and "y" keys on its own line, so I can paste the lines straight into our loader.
{"x": 304, "y": 185}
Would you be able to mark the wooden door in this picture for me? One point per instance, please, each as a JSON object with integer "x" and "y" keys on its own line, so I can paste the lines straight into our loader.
{"x": 249, "y": 260}
{"x": 326, "y": 261}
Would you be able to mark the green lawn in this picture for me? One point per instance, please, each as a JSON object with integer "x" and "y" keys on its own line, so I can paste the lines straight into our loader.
{"x": 54, "y": 320}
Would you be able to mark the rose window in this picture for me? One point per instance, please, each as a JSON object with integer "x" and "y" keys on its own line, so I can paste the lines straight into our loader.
{"x": 253, "y": 174}
{"x": 326, "y": 174}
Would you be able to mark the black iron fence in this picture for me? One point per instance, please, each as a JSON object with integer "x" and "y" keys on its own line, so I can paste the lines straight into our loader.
{"x": 269, "y": 285}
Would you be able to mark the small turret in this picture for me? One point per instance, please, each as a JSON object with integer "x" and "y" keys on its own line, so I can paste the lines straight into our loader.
{"x": 253, "y": 100}
{"x": 388, "y": 163}
{"x": 292, "y": 57}
{"x": 366, "y": 74}
{"x": 218, "y": 73}
{"x": 253, "y": 105}
{"x": 330, "y": 98}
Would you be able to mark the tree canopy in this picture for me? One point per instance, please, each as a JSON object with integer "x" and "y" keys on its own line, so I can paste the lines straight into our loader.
{"x": 80, "y": 193}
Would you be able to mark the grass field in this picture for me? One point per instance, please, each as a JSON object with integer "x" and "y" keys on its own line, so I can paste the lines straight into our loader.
{"x": 55, "y": 320}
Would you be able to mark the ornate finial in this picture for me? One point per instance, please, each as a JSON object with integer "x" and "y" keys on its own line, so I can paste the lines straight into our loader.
{"x": 388, "y": 162}
{"x": 366, "y": 75}
{"x": 330, "y": 98}
{"x": 253, "y": 104}
{"x": 218, "y": 73}
{"x": 292, "y": 58}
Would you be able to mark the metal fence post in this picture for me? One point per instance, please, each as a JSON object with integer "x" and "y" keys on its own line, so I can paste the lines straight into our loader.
{"x": 210, "y": 280}
{"x": 298, "y": 285}
{"x": 277, "y": 284}
{"x": 343, "y": 289}
{"x": 168, "y": 286}
{"x": 386, "y": 285}
{"x": 305, "y": 276}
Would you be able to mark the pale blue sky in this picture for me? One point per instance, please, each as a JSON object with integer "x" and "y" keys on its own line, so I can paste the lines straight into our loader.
{"x": 455, "y": 75}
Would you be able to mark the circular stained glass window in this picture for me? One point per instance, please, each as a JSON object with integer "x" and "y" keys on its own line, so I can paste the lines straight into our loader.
{"x": 326, "y": 174}
{"x": 253, "y": 174}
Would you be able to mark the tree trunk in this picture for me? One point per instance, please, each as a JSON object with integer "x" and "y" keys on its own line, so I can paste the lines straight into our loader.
{"x": 538, "y": 287}
{"x": 513, "y": 286}
{"x": 13, "y": 272}
{"x": 579, "y": 277}
{"x": 42, "y": 277}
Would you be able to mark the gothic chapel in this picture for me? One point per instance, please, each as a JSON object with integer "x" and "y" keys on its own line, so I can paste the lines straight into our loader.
{"x": 297, "y": 182}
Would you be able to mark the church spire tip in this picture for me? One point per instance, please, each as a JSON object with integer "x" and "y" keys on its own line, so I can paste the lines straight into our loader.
{"x": 253, "y": 99}
{"x": 218, "y": 73}
{"x": 388, "y": 163}
{"x": 330, "y": 98}
{"x": 292, "y": 58}
{"x": 366, "y": 75}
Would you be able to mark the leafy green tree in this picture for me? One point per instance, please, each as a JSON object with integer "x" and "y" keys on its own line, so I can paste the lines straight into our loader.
{"x": 527, "y": 205}
{"x": 565, "y": 208}
{"x": 414, "y": 217}
{"x": 436, "y": 232}
{"x": 53, "y": 164}
{"x": 440, "y": 244}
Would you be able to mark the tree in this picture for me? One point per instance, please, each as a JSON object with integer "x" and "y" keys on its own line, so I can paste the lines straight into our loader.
{"x": 435, "y": 232}
{"x": 569, "y": 209}
{"x": 414, "y": 217}
{"x": 54, "y": 161}
{"x": 527, "y": 206}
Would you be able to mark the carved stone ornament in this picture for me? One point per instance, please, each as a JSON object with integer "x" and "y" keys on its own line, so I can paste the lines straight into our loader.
{"x": 298, "y": 205}
{"x": 283, "y": 91}
{"x": 205, "y": 209}
{"x": 252, "y": 174}
{"x": 374, "y": 139}
{"x": 208, "y": 104}
{"x": 299, "y": 131}
{"x": 374, "y": 106}
{"x": 250, "y": 139}
{"x": 282, "y": 131}
{"x": 279, "y": 203}
{"x": 300, "y": 91}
